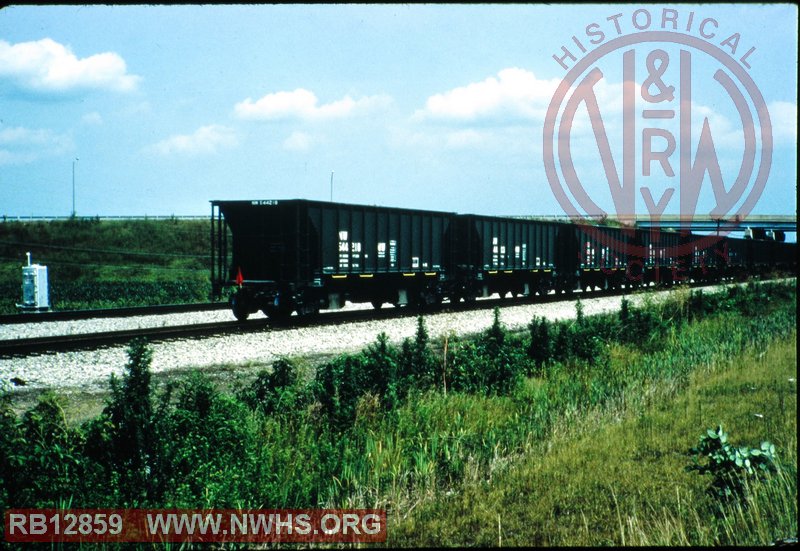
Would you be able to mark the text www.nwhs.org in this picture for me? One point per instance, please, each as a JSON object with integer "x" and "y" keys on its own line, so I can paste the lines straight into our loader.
{"x": 266, "y": 524}
{"x": 143, "y": 525}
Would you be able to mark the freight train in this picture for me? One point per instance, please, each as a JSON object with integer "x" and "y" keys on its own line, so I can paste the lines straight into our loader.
{"x": 301, "y": 256}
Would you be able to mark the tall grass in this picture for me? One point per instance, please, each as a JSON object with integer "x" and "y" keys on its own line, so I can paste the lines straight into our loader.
{"x": 755, "y": 395}
{"x": 614, "y": 474}
{"x": 583, "y": 445}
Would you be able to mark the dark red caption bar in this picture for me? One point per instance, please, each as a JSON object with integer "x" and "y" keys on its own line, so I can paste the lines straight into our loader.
{"x": 196, "y": 525}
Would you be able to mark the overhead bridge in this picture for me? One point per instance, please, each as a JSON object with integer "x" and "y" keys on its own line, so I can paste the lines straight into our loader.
{"x": 779, "y": 222}
{"x": 784, "y": 223}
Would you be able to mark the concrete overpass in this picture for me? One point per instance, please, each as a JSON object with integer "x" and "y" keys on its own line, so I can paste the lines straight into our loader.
{"x": 766, "y": 222}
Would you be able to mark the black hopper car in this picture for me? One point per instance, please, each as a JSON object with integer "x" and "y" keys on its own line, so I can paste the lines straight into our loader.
{"x": 286, "y": 256}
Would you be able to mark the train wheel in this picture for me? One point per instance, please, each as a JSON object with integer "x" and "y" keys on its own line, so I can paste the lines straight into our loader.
{"x": 239, "y": 307}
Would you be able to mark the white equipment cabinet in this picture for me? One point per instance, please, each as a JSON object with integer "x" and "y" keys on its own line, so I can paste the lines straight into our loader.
{"x": 35, "y": 294}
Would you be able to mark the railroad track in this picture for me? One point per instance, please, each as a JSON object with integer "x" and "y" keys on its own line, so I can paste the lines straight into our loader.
{"x": 10, "y": 348}
{"x": 68, "y": 315}
{"x": 44, "y": 345}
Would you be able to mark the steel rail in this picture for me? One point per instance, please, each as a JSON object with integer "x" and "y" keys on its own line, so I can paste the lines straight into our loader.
{"x": 67, "y": 315}
{"x": 11, "y": 348}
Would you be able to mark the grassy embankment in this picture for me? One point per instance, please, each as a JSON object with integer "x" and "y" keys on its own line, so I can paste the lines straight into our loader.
{"x": 615, "y": 476}
{"x": 574, "y": 433}
{"x": 105, "y": 263}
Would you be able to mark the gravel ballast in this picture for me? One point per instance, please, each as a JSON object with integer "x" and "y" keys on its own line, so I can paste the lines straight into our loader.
{"x": 98, "y": 325}
{"x": 90, "y": 370}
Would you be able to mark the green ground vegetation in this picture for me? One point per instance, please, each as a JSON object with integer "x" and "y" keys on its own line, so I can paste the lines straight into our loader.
{"x": 96, "y": 263}
{"x": 617, "y": 475}
{"x": 569, "y": 433}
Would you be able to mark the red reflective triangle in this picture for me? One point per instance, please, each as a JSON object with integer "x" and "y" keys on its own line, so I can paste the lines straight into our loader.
{"x": 239, "y": 278}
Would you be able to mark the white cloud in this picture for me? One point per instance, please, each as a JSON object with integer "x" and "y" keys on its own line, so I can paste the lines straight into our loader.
{"x": 19, "y": 145}
{"x": 46, "y": 65}
{"x": 723, "y": 120}
{"x": 514, "y": 93}
{"x": 207, "y": 139}
{"x": 784, "y": 122}
{"x": 499, "y": 113}
{"x": 19, "y": 135}
{"x": 298, "y": 141}
{"x": 512, "y": 140}
{"x": 465, "y": 138}
{"x": 94, "y": 118}
{"x": 302, "y": 104}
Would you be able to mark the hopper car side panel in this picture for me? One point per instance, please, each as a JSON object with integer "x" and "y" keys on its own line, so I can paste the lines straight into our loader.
{"x": 298, "y": 255}
{"x": 508, "y": 255}
{"x": 285, "y": 256}
{"x": 375, "y": 254}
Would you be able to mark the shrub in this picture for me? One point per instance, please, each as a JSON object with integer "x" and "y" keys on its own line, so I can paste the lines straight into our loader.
{"x": 584, "y": 343}
{"x": 502, "y": 364}
{"x": 492, "y": 364}
{"x": 698, "y": 305}
{"x": 624, "y": 312}
{"x": 540, "y": 347}
{"x": 130, "y": 423}
{"x": 12, "y": 452}
{"x": 562, "y": 348}
{"x": 640, "y": 326}
{"x": 495, "y": 337}
{"x": 49, "y": 465}
{"x": 729, "y": 465}
{"x": 276, "y": 392}
{"x": 417, "y": 363}
{"x": 338, "y": 386}
{"x": 381, "y": 364}
{"x": 205, "y": 445}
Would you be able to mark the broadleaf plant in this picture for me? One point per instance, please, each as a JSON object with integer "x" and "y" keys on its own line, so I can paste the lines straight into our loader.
{"x": 730, "y": 465}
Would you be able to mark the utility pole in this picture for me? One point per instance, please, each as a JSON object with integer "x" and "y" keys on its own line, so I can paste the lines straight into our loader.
{"x": 331, "y": 186}
{"x": 73, "y": 187}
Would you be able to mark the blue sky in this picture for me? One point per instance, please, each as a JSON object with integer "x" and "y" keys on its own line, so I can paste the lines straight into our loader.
{"x": 419, "y": 106}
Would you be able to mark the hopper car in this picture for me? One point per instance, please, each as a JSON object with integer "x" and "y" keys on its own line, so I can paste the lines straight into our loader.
{"x": 302, "y": 256}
